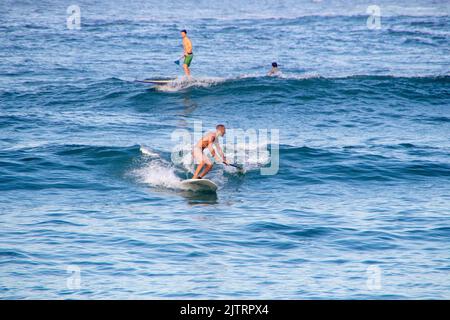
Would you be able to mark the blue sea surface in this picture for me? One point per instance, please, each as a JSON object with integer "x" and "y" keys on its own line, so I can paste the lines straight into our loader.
{"x": 90, "y": 204}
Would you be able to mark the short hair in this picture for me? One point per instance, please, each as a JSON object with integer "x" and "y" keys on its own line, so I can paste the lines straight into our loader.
{"x": 184, "y": 30}
{"x": 220, "y": 126}
{"x": 274, "y": 64}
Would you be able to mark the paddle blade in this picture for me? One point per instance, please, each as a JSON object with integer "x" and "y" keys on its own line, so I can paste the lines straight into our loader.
{"x": 236, "y": 166}
{"x": 177, "y": 62}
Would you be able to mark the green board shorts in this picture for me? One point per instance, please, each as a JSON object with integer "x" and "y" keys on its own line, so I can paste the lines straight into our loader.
{"x": 188, "y": 59}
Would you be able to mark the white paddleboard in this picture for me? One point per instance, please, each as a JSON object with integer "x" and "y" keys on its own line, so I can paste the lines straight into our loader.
{"x": 199, "y": 185}
{"x": 156, "y": 81}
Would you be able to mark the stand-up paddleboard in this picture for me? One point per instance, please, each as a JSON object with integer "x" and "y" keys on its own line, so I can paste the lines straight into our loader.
{"x": 156, "y": 81}
{"x": 199, "y": 185}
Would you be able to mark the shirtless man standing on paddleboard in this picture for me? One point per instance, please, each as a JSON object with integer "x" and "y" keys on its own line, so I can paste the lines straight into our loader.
{"x": 188, "y": 54}
{"x": 208, "y": 141}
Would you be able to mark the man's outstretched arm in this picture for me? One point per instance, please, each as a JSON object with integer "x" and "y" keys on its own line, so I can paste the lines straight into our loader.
{"x": 220, "y": 151}
{"x": 213, "y": 152}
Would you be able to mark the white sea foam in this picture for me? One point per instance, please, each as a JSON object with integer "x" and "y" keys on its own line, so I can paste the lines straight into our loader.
{"x": 158, "y": 174}
{"x": 182, "y": 83}
{"x": 148, "y": 152}
{"x": 155, "y": 171}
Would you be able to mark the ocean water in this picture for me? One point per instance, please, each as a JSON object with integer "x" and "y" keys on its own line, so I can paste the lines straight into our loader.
{"x": 90, "y": 199}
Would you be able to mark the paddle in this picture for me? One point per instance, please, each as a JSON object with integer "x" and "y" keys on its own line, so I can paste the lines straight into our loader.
{"x": 235, "y": 166}
{"x": 177, "y": 62}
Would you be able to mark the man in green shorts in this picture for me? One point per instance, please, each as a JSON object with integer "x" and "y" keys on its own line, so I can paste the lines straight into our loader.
{"x": 188, "y": 55}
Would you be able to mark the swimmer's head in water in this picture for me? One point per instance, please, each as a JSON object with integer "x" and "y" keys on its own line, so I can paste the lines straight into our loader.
{"x": 220, "y": 129}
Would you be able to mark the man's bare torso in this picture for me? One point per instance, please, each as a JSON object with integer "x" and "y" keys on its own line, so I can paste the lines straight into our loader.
{"x": 187, "y": 45}
{"x": 206, "y": 140}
